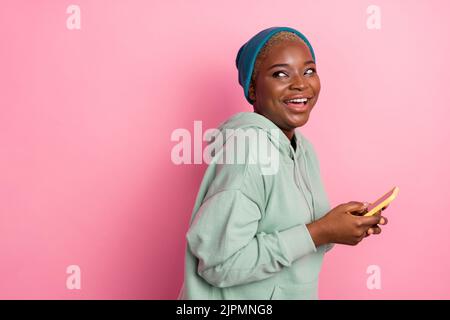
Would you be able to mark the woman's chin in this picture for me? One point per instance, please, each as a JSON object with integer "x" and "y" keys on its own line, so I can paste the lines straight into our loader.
{"x": 298, "y": 120}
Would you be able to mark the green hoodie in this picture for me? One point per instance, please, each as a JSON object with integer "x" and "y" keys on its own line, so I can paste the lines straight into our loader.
{"x": 247, "y": 237}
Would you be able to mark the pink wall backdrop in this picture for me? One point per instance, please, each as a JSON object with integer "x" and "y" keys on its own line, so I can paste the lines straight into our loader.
{"x": 86, "y": 117}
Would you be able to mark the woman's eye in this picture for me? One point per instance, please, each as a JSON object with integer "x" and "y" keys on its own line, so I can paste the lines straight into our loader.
{"x": 310, "y": 71}
{"x": 276, "y": 74}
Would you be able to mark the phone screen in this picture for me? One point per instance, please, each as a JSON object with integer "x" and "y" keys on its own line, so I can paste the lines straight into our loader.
{"x": 383, "y": 198}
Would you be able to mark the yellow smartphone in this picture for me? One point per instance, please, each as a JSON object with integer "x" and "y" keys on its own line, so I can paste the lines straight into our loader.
{"x": 382, "y": 202}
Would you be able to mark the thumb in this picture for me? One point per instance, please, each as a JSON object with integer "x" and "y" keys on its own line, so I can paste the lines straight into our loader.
{"x": 354, "y": 206}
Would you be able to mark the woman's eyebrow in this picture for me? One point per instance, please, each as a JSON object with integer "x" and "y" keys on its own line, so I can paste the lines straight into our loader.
{"x": 279, "y": 65}
{"x": 287, "y": 65}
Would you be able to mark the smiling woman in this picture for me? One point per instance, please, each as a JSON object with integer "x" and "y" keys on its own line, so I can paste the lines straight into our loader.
{"x": 264, "y": 236}
{"x": 285, "y": 75}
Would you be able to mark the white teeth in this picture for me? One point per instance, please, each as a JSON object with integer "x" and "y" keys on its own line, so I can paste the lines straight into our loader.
{"x": 302, "y": 100}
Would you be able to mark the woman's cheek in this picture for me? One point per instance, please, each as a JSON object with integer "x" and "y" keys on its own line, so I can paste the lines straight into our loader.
{"x": 317, "y": 84}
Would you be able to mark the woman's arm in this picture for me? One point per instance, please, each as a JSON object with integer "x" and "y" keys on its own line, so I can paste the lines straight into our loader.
{"x": 224, "y": 238}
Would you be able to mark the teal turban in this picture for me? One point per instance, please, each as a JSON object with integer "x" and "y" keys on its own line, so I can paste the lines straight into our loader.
{"x": 248, "y": 53}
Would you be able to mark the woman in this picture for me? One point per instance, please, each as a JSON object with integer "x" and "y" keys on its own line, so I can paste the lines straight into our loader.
{"x": 263, "y": 236}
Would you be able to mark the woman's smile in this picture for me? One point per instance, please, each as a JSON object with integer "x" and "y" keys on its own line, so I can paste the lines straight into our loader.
{"x": 298, "y": 103}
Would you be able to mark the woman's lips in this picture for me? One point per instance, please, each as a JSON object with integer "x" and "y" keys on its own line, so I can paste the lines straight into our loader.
{"x": 297, "y": 107}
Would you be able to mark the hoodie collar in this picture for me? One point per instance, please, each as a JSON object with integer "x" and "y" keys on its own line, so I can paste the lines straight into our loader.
{"x": 249, "y": 119}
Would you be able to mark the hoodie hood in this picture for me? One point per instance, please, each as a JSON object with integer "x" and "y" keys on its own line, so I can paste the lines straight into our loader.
{"x": 299, "y": 156}
{"x": 244, "y": 120}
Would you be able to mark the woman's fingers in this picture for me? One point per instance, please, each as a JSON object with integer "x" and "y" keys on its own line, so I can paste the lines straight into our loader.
{"x": 369, "y": 221}
{"x": 376, "y": 230}
{"x": 373, "y": 230}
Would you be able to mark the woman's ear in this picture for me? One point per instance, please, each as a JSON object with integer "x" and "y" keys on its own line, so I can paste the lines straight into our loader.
{"x": 251, "y": 92}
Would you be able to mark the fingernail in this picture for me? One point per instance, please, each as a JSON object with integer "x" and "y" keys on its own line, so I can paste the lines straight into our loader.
{"x": 370, "y": 231}
{"x": 366, "y": 204}
{"x": 382, "y": 221}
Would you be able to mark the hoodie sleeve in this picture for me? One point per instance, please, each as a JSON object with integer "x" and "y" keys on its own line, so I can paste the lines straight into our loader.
{"x": 230, "y": 251}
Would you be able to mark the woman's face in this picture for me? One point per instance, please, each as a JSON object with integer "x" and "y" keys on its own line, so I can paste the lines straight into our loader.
{"x": 287, "y": 72}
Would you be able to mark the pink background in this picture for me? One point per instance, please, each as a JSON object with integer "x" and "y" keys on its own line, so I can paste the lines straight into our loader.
{"x": 86, "y": 118}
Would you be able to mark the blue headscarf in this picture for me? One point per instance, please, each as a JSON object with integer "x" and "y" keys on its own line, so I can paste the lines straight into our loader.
{"x": 247, "y": 54}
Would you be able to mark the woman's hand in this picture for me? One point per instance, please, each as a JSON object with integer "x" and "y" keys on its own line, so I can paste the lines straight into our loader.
{"x": 375, "y": 229}
{"x": 343, "y": 225}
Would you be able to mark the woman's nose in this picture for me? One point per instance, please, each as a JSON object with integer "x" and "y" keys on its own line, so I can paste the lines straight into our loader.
{"x": 298, "y": 82}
